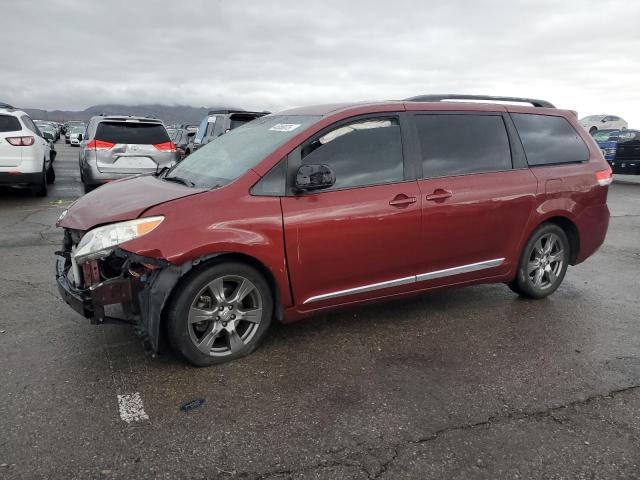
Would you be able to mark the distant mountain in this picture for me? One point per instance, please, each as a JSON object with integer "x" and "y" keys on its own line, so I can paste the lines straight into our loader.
{"x": 169, "y": 114}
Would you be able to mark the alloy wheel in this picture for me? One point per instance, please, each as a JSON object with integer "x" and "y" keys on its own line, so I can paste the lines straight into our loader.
{"x": 546, "y": 260}
{"x": 225, "y": 315}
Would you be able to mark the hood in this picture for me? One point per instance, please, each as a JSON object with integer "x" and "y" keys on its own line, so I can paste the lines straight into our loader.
{"x": 122, "y": 200}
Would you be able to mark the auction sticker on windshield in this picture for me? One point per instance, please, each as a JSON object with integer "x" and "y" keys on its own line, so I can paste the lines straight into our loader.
{"x": 285, "y": 127}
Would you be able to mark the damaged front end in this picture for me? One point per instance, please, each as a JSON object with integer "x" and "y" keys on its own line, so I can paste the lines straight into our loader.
{"x": 113, "y": 276}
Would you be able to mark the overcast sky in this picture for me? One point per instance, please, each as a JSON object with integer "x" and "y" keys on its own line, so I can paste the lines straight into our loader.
{"x": 68, "y": 54}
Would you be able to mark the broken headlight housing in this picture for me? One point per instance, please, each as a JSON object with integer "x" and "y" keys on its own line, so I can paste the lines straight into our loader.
{"x": 99, "y": 242}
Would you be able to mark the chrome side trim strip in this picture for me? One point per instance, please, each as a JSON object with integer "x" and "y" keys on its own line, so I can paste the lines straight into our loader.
{"x": 472, "y": 267}
{"x": 364, "y": 288}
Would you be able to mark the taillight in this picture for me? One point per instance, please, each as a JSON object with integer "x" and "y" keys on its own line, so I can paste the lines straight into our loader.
{"x": 604, "y": 177}
{"x": 100, "y": 145}
{"x": 166, "y": 146}
{"x": 21, "y": 141}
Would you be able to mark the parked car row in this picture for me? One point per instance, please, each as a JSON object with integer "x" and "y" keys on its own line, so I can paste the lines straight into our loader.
{"x": 324, "y": 207}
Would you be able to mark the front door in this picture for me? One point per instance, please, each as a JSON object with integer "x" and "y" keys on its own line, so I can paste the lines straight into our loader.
{"x": 358, "y": 239}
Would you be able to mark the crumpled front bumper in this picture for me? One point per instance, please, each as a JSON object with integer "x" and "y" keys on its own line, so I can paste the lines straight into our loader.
{"x": 90, "y": 302}
{"x": 79, "y": 300}
{"x": 142, "y": 289}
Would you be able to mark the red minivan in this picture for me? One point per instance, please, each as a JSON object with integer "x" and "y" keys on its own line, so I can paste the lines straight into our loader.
{"x": 328, "y": 206}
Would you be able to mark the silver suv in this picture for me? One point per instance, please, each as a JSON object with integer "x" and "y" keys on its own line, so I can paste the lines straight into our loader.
{"x": 114, "y": 147}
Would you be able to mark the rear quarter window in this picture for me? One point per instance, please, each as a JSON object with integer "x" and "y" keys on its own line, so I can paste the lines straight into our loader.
{"x": 549, "y": 140}
{"x": 9, "y": 124}
{"x": 133, "y": 133}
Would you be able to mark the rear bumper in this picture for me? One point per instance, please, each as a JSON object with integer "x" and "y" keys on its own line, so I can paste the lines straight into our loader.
{"x": 7, "y": 178}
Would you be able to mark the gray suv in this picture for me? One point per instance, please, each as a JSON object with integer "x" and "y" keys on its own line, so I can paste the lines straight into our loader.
{"x": 114, "y": 147}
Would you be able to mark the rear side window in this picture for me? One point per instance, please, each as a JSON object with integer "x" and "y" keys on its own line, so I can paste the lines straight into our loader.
{"x": 460, "y": 144}
{"x": 140, "y": 133}
{"x": 366, "y": 152}
{"x": 549, "y": 140}
{"x": 9, "y": 124}
{"x": 30, "y": 125}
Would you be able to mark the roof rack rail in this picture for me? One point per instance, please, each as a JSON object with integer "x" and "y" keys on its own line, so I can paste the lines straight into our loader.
{"x": 444, "y": 98}
{"x": 7, "y": 106}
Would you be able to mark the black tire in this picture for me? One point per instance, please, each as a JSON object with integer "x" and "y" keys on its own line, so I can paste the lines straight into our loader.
{"x": 51, "y": 175}
{"x": 86, "y": 187}
{"x": 541, "y": 272}
{"x": 184, "y": 335}
{"x": 40, "y": 189}
{"x": 593, "y": 130}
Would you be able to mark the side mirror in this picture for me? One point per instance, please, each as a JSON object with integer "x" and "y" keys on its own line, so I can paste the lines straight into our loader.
{"x": 79, "y": 137}
{"x": 604, "y": 120}
{"x": 48, "y": 136}
{"x": 314, "y": 177}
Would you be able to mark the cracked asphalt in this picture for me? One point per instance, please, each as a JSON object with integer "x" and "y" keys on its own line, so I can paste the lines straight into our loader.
{"x": 468, "y": 383}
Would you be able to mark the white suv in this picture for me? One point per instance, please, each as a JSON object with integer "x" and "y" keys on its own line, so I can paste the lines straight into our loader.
{"x": 593, "y": 123}
{"x": 25, "y": 155}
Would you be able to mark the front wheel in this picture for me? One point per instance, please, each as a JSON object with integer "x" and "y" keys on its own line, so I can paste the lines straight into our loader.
{"x": 220, "y": 314}
{"x": 543, "y": 262}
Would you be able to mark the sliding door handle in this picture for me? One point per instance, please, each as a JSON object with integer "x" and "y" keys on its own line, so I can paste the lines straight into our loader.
{"x": 438, "y": 194}
{"x": 402, "y": 200}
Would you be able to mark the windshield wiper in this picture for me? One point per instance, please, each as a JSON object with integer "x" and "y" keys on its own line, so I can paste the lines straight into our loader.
{"x": 181, "y": 180}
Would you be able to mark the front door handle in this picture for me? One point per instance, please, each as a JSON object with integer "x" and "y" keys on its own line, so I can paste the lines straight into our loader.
{"x": 438, "y": 194}
{"x": 402, "y": 200}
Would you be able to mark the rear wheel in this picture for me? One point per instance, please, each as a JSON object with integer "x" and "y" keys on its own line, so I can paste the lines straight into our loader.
{"x": 40, "y": 189}
{"x": 220, "y": 314}
{"x": 88, "y": 187}
{"x": 51, "y": 175}
{"x": 543, "y": 262}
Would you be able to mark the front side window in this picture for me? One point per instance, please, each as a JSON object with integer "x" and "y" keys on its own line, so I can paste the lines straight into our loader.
{"x": 365, "y": 152}
{"x": 460, "y": 144}
{"x": 229, "y": 156}
{"x": 549, "y": 140}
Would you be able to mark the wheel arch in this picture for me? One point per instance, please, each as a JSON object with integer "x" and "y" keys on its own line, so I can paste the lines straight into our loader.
{"x": 158, "y": 332}
{"x": 570, "y": 229}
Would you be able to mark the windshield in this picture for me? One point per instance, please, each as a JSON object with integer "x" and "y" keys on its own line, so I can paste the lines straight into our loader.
{"x": 77, "y": 130}
{"x": 592, "y": 118}
{"x": 232, "y": 154}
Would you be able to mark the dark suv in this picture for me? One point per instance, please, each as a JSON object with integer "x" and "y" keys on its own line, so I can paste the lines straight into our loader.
{"x": 331, "y": 206}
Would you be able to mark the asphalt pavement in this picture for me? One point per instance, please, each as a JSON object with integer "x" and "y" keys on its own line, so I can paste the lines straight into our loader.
{"x": 465, "y": 383}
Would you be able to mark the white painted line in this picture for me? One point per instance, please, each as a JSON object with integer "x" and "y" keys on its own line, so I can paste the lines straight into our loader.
{"x": 131, "y": 408}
